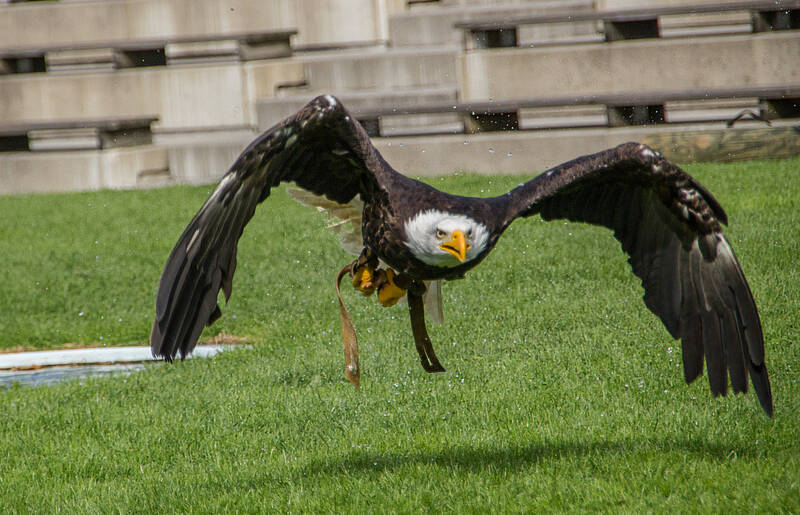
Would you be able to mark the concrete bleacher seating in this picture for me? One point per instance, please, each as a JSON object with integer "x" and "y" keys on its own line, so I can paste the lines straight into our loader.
{"x": 445, "y": 84}
{"x": 612, "y": 110}
{"x": 644, "y": 21}
{"x": 320, "y": 23}
{"x": 135, "y": 53}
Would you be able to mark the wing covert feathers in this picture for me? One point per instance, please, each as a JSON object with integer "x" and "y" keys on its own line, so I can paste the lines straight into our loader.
{"x": 347, "y": 224}
{"x": 321, "y": 148}
{"x": 671, "y": 229}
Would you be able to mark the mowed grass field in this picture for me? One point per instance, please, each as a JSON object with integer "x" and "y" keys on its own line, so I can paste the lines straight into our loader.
{"x": 563, "y": 393}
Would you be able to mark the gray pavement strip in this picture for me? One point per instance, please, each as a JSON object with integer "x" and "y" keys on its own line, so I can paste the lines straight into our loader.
{"x": 48, "y": 367}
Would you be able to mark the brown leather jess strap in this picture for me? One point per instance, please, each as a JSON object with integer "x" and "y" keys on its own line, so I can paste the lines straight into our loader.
{"x": 416, "y": 309}
{"x": 351, "y": 369}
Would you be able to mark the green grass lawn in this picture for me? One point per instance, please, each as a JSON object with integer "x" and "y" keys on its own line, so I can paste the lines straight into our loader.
{"x": 563, "y": 393}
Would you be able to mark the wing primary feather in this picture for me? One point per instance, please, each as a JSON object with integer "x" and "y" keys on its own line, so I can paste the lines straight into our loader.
{"x": 715, "y": 356}
{"x": 760, "y": 379}
{"x": 691, "y": 323}
{"x": 733, "y": 343}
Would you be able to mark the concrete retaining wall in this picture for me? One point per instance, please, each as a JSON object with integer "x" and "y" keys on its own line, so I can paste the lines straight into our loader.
{"x": 526, "y": 153}
{"x": 37, "y": 172}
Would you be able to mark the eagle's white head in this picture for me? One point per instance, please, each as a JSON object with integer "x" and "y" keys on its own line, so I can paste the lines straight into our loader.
{"x": 445, "y": 239}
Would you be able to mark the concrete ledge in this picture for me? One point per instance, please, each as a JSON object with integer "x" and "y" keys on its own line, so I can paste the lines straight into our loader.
{"x": 634, "y": 66}
{"x": 337, "y": 23}
{"x": 83, "y": 170}
{"x": 385, "y": 70}
{"x": 49, "y": 24}
{"x": 199, "y": 96}
{"x": 372, "y": 103}
{"x": 530, "y": 152}
{"x": 435, "y": 26}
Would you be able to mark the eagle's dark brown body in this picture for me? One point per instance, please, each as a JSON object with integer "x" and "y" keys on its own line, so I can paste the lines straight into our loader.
{"x": 667, "y": 223}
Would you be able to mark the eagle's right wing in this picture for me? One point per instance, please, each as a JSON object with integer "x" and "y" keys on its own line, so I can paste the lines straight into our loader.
{"x": 321, "y": 148}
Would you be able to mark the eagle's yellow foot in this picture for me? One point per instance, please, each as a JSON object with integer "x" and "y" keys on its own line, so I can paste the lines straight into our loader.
{"x": 364, "y": 279}
{"x": 388, "y": 292}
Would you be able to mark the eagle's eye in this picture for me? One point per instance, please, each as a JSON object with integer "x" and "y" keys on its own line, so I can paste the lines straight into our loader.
{"x": 469, "y": 234}
{"x": 440, "y": 234}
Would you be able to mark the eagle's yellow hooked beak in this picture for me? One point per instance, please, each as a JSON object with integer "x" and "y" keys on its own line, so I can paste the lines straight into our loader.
{"x": 457, "y": 246}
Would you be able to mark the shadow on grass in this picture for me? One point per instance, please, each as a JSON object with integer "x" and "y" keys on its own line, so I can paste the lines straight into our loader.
{"x": 513, "y": 457}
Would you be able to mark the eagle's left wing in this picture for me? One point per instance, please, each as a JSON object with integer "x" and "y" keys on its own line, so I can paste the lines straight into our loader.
{"x": 671, "y": 227}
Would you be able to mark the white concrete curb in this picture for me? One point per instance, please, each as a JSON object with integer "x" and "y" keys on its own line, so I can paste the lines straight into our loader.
{"x": 98, "y": 355}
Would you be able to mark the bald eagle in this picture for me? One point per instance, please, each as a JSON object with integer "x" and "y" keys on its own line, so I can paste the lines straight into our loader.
{"x": 413, "y": 235}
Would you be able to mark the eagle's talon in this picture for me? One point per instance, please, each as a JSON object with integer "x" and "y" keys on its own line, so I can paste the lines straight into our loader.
{"x": 388, "y": 292}
{"x": 364, "y": 279}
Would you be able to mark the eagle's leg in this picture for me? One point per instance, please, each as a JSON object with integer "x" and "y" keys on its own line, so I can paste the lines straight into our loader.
{"x": 416, "y": 309}
{"x": 364, "y": 271}
{"x": 388, "y": 290}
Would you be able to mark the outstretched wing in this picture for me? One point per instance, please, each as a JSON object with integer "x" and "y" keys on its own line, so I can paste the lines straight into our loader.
{"x": 670, "y": 226}
{"x": 321, "y": 148}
